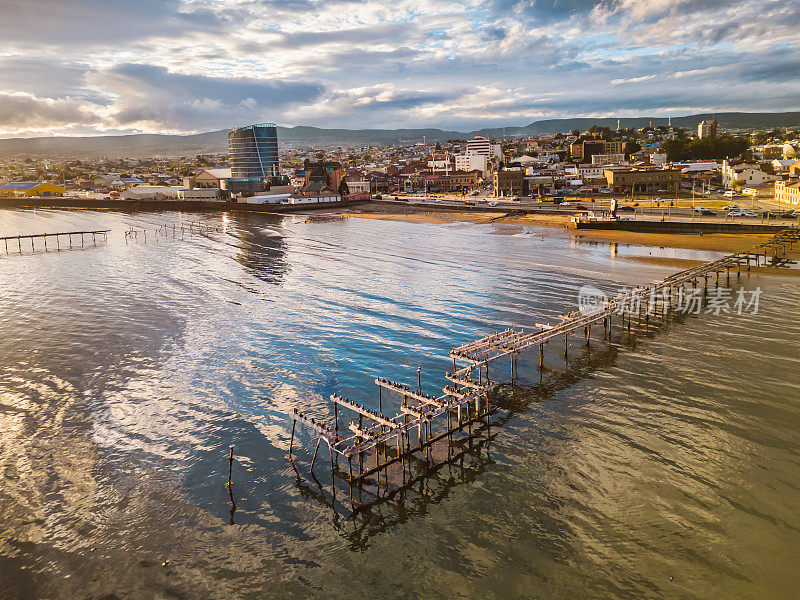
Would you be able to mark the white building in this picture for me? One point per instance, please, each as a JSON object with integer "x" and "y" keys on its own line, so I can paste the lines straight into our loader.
{"x": 783, "y": 164}
{"x": 198, "y": 194}
{"x": 358, "y": 187}
{"x": 267, "y": 199}
{"x": 442, "y": 164}
{"x": 697, "y": 167}
{"x": 750, "y": 173}
{"x": 323, "y": 199}
{"x": 586, "y": 171}
{"x": 707, "y": 129}
{"x": 549, "y": 159}
{"x": 471, "y": 162}
{"x": 658, "y": 158}
{"x": 151, "y": 192}
{"x": 787, "y": 192}
{"x": 608, "y": 159}
{"x": 482, "y": 145}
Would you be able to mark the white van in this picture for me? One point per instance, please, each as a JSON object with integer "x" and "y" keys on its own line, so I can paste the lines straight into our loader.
{"x": 729, "y": 194}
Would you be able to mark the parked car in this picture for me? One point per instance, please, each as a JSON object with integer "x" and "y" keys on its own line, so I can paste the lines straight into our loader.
{"x": 731, "y": 207}
{"x": 706, "y": 212}
{"x": 662, "y": 191}
{"x": 581, "y": 207}
{"x": 749, "y": 213}
{"x": 626, "y": 209}
{"x": 771, "y": 214}
{"x": 735, "y": 213}
{"x": 494, "y": 203}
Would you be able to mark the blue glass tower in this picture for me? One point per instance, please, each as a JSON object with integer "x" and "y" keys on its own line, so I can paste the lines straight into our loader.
{"x": 253, "y": 155}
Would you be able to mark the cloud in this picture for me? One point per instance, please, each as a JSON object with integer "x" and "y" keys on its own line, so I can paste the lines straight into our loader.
{"x": 151, "y": 95}
{"x": 92, "y": 23}
{"x": 197, "y": 65}
{"x": 26, "y": 112}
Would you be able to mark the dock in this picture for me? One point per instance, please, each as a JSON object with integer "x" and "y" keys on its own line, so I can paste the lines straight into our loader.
{"x": 377, "y": 446}
{"x": 54, "y": 237}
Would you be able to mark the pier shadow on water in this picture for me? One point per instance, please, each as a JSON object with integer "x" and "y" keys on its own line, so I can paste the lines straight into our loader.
{"x": 405, "y": 490}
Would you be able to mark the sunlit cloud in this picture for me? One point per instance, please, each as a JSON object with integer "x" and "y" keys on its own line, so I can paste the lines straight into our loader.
{"x": 197, "y": 65}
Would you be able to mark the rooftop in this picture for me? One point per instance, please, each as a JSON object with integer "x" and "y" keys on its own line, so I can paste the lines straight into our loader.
{"x": 21, "y": 186}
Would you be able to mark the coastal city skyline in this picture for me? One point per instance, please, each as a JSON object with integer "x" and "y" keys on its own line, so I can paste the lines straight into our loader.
{"x": 172, "y": 66}
{"x": 469, "y": 300}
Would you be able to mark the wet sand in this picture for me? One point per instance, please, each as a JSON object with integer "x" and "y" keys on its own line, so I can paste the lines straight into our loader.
{"x": 721, "y": 242}
{"x": 512, "y": 223}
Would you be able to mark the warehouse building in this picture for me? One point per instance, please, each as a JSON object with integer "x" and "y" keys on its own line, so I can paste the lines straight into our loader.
{"x": 30, "y": 189}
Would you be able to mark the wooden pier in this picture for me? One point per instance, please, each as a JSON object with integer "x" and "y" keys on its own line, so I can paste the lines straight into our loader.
{"x": 377, "y": 446}
{"x": 57, "y": 237}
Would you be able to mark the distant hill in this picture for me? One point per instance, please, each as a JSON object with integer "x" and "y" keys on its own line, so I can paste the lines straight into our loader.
{"x": 729, "y": 120}
{"x": 143, "y": 145}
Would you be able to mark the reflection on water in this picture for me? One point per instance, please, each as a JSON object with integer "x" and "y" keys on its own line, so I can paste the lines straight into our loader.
{"x": 262, "y": 249}
{"x": 665, "y": 467}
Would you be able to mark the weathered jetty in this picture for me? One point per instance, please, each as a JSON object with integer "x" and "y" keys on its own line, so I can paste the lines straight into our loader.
{"x": 56, "y": 239}
{"x": 376, "y": 447}
{"x": 174, "y": 230}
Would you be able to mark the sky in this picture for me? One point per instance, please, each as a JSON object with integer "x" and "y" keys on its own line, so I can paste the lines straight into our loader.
{"x": 89, "y": 67}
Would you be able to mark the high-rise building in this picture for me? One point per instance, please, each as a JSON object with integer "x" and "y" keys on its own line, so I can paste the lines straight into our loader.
{"x": 481, "y": 145}
{"x": 707, "y": 129}
{"x": 253, "y": 156}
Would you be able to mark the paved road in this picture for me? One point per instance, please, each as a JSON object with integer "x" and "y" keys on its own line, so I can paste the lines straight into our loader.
{"x": 599, "y": 207}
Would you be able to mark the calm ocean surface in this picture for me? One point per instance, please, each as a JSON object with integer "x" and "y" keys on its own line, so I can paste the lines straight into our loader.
{"x": 668, "y": 467}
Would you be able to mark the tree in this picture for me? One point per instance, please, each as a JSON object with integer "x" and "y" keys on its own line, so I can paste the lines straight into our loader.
{"x": 694, "y": 149}
{"x": 605, "y": 132}
{"x": 738, "y": 183}
{"x": 344, "y": 189}
{"x": 631, "y": 147}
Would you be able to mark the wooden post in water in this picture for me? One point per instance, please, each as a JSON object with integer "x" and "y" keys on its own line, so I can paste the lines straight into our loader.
{"x": 316, "y": 448}
{"x": 333, "y": 477}
{"x": 350, "y": 468}
{"x": 230, "y": 466}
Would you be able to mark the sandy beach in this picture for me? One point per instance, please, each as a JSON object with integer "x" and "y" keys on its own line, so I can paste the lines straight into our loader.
{"x": 714, "y": 242}
{"x": 727, "y": 243}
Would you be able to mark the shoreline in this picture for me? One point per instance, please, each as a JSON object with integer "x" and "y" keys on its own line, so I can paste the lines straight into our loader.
{"x": 550, "y": 223}
{"x": 720, "y": 242}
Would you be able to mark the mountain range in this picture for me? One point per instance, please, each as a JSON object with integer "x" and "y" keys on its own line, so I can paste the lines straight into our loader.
{"x": 144, "y": 145}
